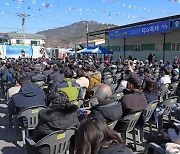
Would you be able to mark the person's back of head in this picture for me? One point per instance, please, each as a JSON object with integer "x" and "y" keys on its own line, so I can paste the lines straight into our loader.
{"x": 150, "y": 86}
{"x": 165, "y": 71}
{"x": 103, "y": 93}
{"x": 68, "y": 73}
{"x": 24, "y": 80}
{"x": 80, "y": 73}
{"x": 58, "y": 100}
{"x": 134, "y": 82}
{"x": 93, "y": 134}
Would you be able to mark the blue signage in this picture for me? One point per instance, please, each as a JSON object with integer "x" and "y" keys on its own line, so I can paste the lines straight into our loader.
{"x": 154, "y": 28}
{"x": 16, "y": 50}
{"x": 176, "y": 23}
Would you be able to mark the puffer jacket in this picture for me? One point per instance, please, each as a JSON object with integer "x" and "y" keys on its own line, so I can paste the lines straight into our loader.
{"x": 109, "y": 110}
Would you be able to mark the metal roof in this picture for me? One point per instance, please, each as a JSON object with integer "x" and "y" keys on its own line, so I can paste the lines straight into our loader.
{"x": 27, "y": 36}
{"x": 105, "y": 31}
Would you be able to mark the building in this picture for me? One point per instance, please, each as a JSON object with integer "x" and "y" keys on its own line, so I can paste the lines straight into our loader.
{"x": 159, "y": 36}
{"x": 25, "y": 39}
{"x": 21, "y": 45}
{"x": 3, "y": 38}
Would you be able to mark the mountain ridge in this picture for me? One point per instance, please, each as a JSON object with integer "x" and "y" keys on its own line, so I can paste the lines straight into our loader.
{"x": 68, "y": 36}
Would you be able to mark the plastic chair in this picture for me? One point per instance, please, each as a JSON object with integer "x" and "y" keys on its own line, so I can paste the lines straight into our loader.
{"x": 132, "y": 120}
{"x": 108, "y": 81}
{"x": 173, "y": 87}
{"x": 112, "y": 124}
{"x": 82, "y": 92}
{"x": 79, "y": 102}
{"x": 147, "y": 115}
{"x": 117, "y": 95}
{"x": 163, "y": 91}
{"x": 113, "y": 86}
{"x": 31, "y": 114}
{"x": 107, "y": 76}
{"x": 93, "y": 101}
{"x": 57, "y": 142}
{"x": 157, "y": 149}
{"x": 168, "y": 105}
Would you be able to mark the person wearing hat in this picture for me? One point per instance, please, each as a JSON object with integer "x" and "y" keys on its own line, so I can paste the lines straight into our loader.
{"x": 132, "y": 101}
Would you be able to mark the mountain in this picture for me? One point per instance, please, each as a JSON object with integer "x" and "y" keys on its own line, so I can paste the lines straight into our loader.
{"x": 68, "y": 36}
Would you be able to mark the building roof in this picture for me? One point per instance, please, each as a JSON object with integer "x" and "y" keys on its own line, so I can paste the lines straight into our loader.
{"x": 105, "y": 31}
{"x": 27, "y": 36}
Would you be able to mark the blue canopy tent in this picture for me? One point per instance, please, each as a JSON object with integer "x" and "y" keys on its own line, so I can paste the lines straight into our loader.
{"x": 86, "y": 50}
{"x": 101, "y": 50}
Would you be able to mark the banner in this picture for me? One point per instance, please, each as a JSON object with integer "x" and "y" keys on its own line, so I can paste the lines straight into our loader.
{"x": 16, "y": 51}
{"x": 176, "y": 23}
{"x": 154, "y": 28}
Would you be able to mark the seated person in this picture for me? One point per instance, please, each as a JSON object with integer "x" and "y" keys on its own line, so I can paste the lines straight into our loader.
{"x": 133, "y": 100}
{"x": 94, "y": 77}
{"x": 108, "y": 108}
{"x": 38, "y": 77}
{"x": 95, "y": 137}
{"x": 165, "y": 77}
{"x": 150, "y": 89}
{"x": 15, "y": 89}
{"x": 81, "y": 78}
{"x": 29, "y": 95}
{"x": 70, "y": 87}
{"x": 59, "y": 115}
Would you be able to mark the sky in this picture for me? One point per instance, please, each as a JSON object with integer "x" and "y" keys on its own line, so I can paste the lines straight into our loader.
{"x": 47, "y": 14}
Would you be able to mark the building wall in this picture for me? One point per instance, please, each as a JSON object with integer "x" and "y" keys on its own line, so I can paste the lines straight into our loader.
{"x": 146, "y": 44}
{"x": 27, "y": 42}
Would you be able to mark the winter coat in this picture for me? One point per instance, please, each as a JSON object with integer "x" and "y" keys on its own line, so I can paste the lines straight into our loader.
{"x": 51, "y": 120}
{"x": 56, "y": 77}
{"x": 29, "y": 95}
{"x": 133, "y": 102}
{"x": 109, "y": 110}
{"x": 83, "y": 82}
{"x": 94, "y": 80}
{"x": 47, "y": 72}
{"x": 38, "y": 77}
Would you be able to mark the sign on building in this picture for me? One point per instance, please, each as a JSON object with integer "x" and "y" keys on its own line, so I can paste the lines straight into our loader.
{"x": 154, "y": 28}
{"x": 176, "y": 23}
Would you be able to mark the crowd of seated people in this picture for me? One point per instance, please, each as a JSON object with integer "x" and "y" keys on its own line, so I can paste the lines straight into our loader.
{"x": 57, "y": 83}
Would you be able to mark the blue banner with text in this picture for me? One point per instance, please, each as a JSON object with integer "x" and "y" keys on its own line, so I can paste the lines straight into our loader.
{"x": 154, "y": 28}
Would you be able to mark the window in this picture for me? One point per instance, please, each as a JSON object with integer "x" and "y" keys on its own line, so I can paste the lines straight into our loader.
{"x": 175, "y": 46}
{"x": 18, "y": 42}
{"x": 137, "y": 48}
{"x": 34, "y": 43}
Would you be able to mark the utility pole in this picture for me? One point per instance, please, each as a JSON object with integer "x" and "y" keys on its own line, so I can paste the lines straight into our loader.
{"x": 87, "y": 35}
{"x": 23, "y": 16}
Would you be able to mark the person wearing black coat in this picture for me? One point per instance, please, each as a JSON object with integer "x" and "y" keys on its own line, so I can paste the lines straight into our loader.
{"x": 29, "y": 95}
{"x": 56, "y": 76}
{"x": 108, "y": 108}
{"x": 60, "y": 115}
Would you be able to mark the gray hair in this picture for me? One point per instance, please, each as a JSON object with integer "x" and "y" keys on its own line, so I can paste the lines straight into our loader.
{"x": 103, "y": 92}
